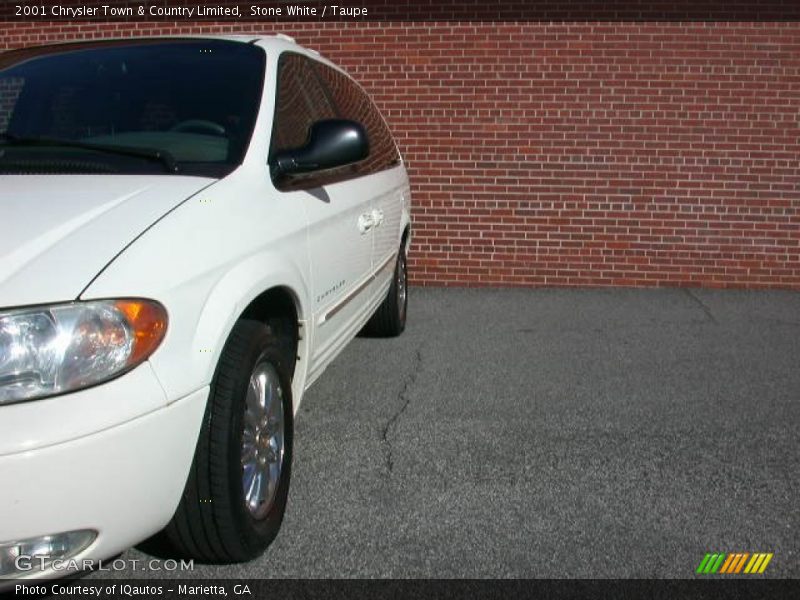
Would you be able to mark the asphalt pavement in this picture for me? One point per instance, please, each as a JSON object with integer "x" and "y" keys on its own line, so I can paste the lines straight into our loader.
{"x": 548, "y": 433}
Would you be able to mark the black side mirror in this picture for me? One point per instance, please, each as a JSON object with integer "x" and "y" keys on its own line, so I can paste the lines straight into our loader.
{"x": 330, "y": 143}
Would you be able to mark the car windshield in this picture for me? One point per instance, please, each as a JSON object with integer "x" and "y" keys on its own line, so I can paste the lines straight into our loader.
{"x": 148, "y": 106}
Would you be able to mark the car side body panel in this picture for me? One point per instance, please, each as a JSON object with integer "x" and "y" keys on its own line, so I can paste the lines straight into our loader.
{"x": 205, "y": 262}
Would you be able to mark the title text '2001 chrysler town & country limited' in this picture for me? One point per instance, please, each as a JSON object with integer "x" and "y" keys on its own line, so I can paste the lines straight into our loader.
{"x": 192, "y": 229}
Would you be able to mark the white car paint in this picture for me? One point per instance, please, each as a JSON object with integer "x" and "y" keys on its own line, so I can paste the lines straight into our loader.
{"x": 117, "y": 455}
{"x": 120, "y": 481}
{"x": 55, "y": 218}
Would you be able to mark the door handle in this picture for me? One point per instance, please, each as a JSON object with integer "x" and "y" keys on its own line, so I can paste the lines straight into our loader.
{"x": 365, "y": 223}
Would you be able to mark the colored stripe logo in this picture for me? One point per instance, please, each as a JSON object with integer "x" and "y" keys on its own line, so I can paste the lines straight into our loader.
{"x": 734, "y": 563}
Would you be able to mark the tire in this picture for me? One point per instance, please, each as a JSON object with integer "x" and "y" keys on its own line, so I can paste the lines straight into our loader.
{"x": 214, "y": 521}
{"x": 390, "y": 318}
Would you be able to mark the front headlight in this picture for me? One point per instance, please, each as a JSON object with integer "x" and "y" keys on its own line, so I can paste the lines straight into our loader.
{"x": 55, "y": 349}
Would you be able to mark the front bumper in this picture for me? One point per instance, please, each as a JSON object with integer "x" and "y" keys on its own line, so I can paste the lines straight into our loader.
{"x": 124, "y": 481}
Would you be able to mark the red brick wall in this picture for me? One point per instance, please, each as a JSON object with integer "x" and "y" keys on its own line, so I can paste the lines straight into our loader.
{"x": 636, "y": 153}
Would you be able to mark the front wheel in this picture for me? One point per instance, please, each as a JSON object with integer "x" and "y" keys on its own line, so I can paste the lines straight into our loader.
{"x": 390, "y": 318}
{"x": 235, "y": 497}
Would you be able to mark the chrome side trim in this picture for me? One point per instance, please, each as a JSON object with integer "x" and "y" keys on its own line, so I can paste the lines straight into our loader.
{"x": 351, "y": 296}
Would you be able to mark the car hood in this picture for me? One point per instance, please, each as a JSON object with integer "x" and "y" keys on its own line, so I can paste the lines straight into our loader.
{"x": 57, "y": 232}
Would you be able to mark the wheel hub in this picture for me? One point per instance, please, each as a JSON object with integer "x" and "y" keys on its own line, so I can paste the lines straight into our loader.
{"x": 262, "y": 439}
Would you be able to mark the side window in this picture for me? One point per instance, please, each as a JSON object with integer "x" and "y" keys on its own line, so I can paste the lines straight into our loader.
{"x": 10, "y": 89}
{"x": 301, "y": 100}
{"x": 353, "y": 103}
{"x": 309, "y": 91}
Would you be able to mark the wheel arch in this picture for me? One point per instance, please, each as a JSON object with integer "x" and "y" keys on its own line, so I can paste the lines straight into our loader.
{"x": 405, "y": 237}
{"x": 278, "y": 307}
{"x": 405, "y": 216}
{"x": 245, "y": 292}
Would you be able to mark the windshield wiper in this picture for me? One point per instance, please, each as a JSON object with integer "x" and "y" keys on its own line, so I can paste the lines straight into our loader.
{"x": 164, "y": 157}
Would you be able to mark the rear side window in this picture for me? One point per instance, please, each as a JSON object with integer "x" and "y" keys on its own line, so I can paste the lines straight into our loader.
{"x": 309, "y": 91}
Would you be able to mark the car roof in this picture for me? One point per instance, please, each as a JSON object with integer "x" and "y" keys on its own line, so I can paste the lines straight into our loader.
{"x": 278, "y": 42}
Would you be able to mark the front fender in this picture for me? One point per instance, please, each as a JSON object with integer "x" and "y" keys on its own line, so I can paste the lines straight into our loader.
{"x": 229, "y": 298}
{"x": 205, "y": 262}
{"x": 203, "y": 310}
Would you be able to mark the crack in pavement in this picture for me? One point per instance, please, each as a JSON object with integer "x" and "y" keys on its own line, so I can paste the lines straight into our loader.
{"x": 702, "y": 305}
{"x": 405, "y": 399}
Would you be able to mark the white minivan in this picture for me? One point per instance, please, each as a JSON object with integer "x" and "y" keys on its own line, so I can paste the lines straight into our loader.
{"x": 191, "y": 229}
